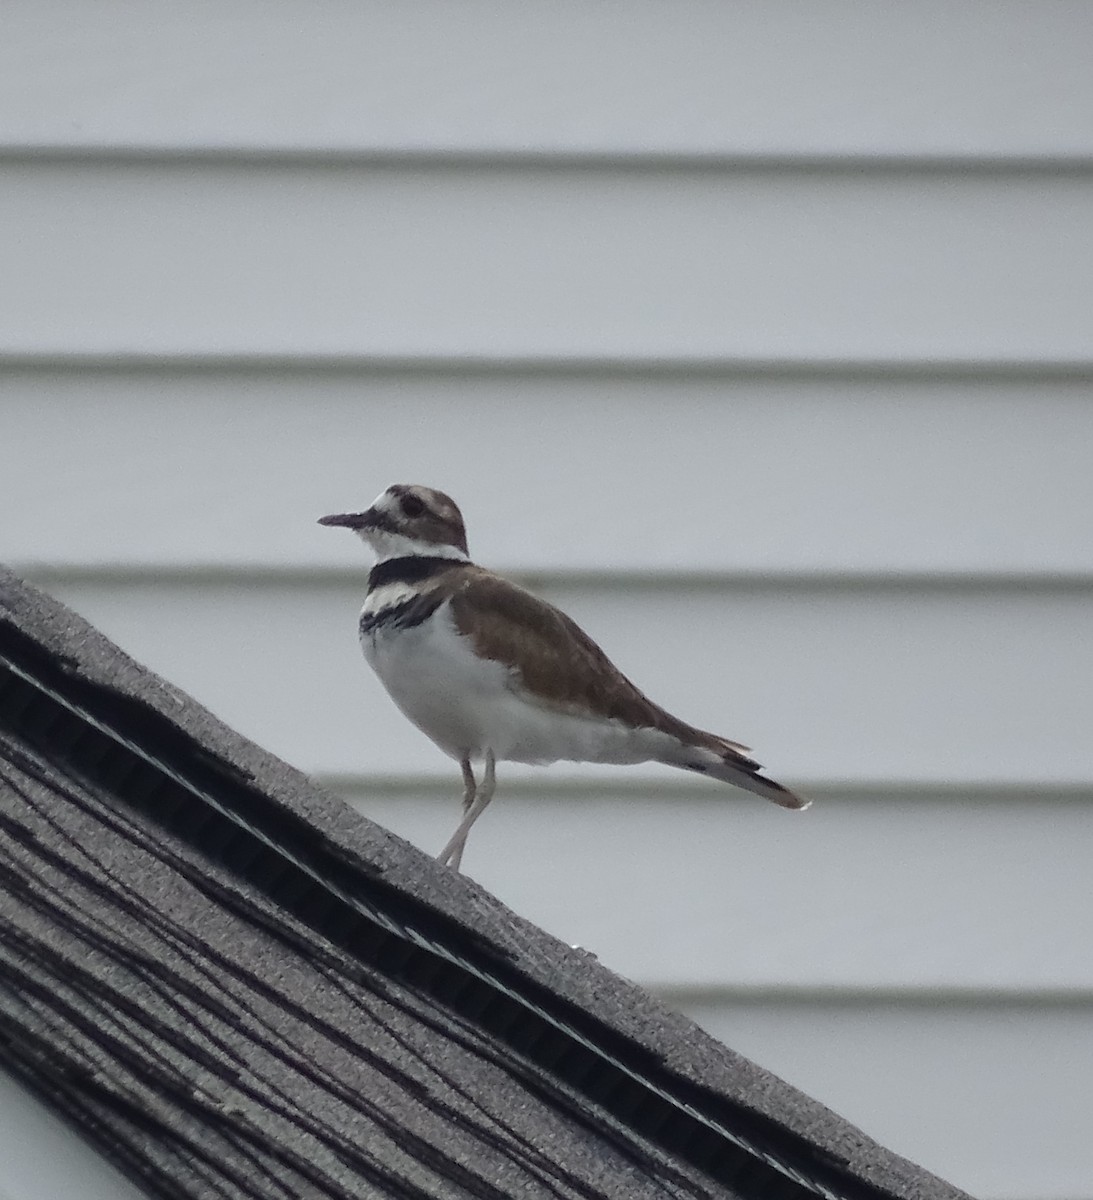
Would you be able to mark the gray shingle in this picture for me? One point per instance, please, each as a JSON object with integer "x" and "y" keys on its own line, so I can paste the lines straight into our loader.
{"x": 237, "y": 986}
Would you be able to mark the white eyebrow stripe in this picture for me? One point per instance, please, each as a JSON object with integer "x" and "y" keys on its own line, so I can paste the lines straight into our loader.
{"x": 385, "y": 502}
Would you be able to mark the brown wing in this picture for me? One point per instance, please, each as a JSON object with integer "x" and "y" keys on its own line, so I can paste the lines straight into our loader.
{"x": 552, "y": 655}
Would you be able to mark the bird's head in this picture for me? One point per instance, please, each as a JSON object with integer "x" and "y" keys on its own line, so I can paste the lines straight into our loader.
{"x": 407, "y": 520}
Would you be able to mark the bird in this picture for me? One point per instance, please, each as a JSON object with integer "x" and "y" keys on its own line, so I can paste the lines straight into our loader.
{"x": 491, "y": 672}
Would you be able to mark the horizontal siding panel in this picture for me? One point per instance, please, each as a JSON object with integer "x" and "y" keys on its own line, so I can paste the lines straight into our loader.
{"x": 555, "y": 470}
{"x": 688, "y": 890}
{"x": 785, "y": 77}
{"x": 996, "y": 1099}
{"x": 129, "y": 257}
{"x": 42, "y": 1158}
{"x": 912, "y": 684}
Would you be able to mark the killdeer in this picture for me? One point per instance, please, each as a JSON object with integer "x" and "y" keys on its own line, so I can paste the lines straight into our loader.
{"x": 491, "y": 672}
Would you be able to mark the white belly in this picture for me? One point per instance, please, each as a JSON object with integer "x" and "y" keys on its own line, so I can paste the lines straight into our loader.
{"x": 469, "y": 705}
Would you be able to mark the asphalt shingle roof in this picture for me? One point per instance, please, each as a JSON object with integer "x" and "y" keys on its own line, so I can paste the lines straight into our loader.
{"x": 235, "y": 985}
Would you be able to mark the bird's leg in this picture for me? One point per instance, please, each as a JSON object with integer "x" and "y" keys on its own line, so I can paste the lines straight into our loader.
{"x": 469, "y": 787}
{"x": 468, "y": 783}
{"x": 452, "y": 854}
{"x": 453, "y": 851}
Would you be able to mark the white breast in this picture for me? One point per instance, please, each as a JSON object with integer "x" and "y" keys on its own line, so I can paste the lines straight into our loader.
{"x": 467, "y": 704}
{"x": 387, "y": 595}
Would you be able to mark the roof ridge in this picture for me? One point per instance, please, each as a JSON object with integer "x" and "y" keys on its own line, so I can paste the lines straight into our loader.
{"x": 56, "y": 697}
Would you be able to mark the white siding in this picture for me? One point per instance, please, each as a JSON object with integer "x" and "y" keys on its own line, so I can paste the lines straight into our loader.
{"x": 904, "y": 683}
{"x": 130, "y": 256}
{"x": 787, "y": 77}
{"x": 757, "y": 336}
{"x": 879, "y": 893}
{"x": 1019, "y": 1072}
{"x": 715, "y": 472}
{"x": 41, "y": 1159}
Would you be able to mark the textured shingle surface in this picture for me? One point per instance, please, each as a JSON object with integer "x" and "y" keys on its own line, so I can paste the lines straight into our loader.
{"x": 164, "y": 982}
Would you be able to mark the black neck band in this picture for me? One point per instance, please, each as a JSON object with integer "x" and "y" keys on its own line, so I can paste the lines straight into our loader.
{"x": 411, "y": 569}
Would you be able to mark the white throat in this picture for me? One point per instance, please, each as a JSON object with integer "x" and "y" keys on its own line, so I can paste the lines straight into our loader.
{"x": 397, "y": 545}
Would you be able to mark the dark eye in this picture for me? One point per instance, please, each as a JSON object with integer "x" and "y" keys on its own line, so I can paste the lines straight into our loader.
{"x": 412, "y": 506}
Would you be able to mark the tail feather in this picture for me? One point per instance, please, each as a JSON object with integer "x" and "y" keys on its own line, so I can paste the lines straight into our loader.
{"x": 751, "y": 780}
{"x": 719, "y": 759}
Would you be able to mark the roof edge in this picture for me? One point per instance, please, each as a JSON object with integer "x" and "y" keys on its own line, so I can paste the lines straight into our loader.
{"x": 429, "y": 916}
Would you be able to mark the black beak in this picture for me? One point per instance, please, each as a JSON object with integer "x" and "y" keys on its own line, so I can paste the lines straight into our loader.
{"x": 349, "y": 520}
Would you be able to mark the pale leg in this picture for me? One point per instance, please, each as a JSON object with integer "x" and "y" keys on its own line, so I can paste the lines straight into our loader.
{"x": 469, "y": 788}
{"x": 474, "y": 804}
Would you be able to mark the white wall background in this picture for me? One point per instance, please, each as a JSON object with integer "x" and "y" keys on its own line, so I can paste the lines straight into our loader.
{"x": 760, "y": 337}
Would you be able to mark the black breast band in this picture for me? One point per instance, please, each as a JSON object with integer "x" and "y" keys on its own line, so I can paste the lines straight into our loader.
{"x": 404, "y": 615}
